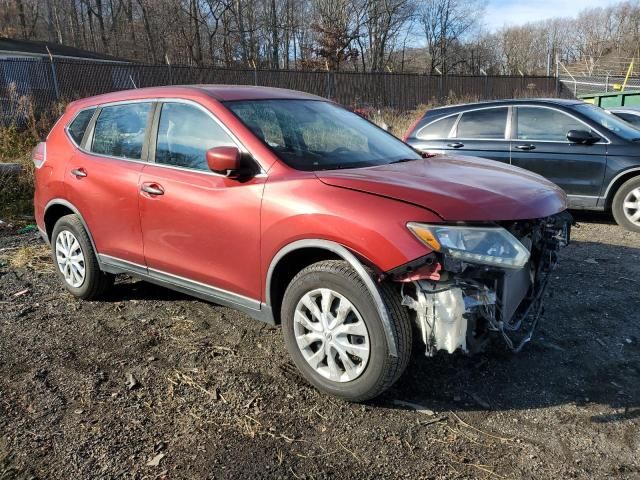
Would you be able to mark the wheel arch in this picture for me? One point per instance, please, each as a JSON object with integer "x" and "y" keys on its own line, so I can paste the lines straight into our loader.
{"x": 297, "y": 255}
{"x": 617, "y": 182}
{"x": 58, "y": 208}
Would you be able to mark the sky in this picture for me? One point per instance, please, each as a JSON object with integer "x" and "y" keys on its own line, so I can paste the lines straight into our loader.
{"x": 518, "y": 12}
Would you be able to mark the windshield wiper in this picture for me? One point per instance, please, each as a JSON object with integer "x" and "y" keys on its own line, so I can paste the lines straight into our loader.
{"x": 402, "y": 160}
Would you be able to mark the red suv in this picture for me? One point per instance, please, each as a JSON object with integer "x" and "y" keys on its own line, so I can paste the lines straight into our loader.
{"x": 300, "y": 213}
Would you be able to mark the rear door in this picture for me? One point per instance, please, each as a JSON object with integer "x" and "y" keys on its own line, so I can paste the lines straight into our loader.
{"x": 539, "y": 143}
{"x": 102, "y": 177}
{"x": 482, "y": 133}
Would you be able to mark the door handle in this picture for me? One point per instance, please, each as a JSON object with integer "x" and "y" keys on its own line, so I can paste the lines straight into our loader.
{"x": 525, "y": 147}
{"x": 455, "y": 145}
{"x": 152, "y": 189}
{"x": 79, "y": 172}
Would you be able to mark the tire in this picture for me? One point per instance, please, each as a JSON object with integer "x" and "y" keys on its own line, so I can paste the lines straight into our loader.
{"x": 628, "y": 194}
{"x": 93, "y": 282}
{"x": 367, "y": 378}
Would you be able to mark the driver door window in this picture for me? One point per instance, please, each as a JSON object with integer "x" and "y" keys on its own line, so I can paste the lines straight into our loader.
{"x": 544, "y": 125}
{"x": 185, "y": 133}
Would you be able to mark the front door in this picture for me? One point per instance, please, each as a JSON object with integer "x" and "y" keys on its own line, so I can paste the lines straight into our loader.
{"x": 539, "y": 143}
{"x": 200, "y": 229}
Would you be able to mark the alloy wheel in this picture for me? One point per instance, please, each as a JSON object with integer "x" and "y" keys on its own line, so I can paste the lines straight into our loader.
{"x": 70, "y": 258}
{"x": 331, "y": 335}
{"x": 631, "y": 206}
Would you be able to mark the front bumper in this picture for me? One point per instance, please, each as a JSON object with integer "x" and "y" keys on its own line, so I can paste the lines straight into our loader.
{"x": 465, "y": 304}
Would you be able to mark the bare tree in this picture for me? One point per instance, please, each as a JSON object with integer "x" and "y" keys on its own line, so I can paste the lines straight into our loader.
{"x": 445, "y": 24}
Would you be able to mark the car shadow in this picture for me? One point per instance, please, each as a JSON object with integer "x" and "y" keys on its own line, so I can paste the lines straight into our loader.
{"x": 127, "y": 288}
{"x": 585, "y": 351}
{"x": 589, "y": 216}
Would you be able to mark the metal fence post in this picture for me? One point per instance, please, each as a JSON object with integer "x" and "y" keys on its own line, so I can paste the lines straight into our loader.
{"x": 54, "y": 76}
{"x": 166, "y": 57}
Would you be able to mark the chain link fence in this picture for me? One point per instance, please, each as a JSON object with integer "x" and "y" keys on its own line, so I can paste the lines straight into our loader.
{"x": 579, "y": 85}
{"x": 47, "y": 83}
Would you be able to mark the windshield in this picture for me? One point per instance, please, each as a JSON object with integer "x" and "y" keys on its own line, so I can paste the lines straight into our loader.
{"x": 317, "y": 135}
{"x": 609, "y": 121}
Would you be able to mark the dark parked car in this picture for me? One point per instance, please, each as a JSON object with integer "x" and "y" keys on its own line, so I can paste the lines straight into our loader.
{"x": 628, "y": 114}
{"x": 592, "y": 154}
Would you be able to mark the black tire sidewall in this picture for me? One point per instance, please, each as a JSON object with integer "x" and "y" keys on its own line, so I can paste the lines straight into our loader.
{"x": 618, "y": 200}
{"x": 72, "y": 224}
{"x": 358, "y": 295}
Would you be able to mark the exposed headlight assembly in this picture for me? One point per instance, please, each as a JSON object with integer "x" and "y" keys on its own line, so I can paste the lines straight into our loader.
{"x": 493, "y": 246}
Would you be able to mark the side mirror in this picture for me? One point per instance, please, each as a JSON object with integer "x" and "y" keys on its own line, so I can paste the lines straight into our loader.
{"x": 584, "y": 137}
{"x": 224, "y": 160}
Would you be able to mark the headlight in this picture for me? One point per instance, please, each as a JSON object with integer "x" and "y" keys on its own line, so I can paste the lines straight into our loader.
{"x": 485, "y": 245}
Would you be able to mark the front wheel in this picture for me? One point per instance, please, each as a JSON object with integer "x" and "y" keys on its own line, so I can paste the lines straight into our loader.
{"x": 335, "y": 335}
{"x": 626, "y": 205}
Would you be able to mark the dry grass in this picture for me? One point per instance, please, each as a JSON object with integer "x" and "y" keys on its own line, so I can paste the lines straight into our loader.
{"x": 34, "y": 257}
{"x": 16, "y": 144}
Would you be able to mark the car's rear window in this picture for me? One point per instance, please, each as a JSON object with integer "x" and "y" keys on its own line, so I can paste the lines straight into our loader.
{"x": 79, "y": 125}
{"x": 438, "y": 129}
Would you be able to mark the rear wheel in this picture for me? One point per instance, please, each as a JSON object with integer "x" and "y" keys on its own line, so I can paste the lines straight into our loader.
{"x": 335, "y": 335}
{"x": 626, "y": 205}
{"x": 76, "y": 261}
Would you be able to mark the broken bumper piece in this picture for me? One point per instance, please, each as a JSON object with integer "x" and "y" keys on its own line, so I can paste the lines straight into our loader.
{"x": 461, "y": 305}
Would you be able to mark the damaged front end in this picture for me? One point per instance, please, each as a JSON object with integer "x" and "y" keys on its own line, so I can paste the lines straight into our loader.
{"x": 481, "y": 281}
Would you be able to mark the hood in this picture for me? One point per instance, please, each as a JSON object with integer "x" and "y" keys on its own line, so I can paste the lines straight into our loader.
{"x": 457, "y": 188}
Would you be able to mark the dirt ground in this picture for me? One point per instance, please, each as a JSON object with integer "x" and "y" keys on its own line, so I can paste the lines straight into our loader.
{"x": 153, "y": 384}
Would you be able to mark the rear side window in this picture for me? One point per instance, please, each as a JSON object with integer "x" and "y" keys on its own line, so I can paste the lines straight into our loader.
{"x": 438, "y": 129}
{"x": 120, "y": 130}
{"x": 77, "y": 128}
{"x": 185, "y": 133}
{"x": 483, "y": 124}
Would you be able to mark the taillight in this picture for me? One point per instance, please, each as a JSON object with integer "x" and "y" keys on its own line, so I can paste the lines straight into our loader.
{"x": 413, "y": 125}
{"x": 39, "y": 154}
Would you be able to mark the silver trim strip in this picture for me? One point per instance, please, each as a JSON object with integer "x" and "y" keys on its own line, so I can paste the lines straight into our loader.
{"x": 608, "y": 141}
{"x": 451, "y": 130}
{"x": 357, "y": 266}
{"x": 454, "y": 128}
{"x": 250, "y": 306}
{"x": 117, "y": 263}
{"x": 207, "y": 289}
{"x": 238, "y": 143}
